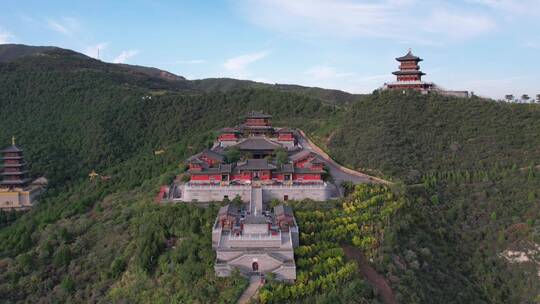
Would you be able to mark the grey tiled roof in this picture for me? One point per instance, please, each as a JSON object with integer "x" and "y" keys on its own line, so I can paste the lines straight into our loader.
{"x": 11, "y": 149}
{"x": 255, "y": 164}
{"x": 257, "y": 114}
{"x": 300, "y": 155}
{"x": 286, "y": 168}
{"x": 228, "y": 210}
{"x": 229, "y": 130}
{"x": 285, "y": 130}
{"x": 317, "y": 161}
{"x": 307, "y": 170}
{"x": 408, "y": 72}
{"x": 409, "y": 56}
{"x": 243, "y": 127}
{"x": 255, "y": 219}
{"x": 211, "y": 154}
{"x": 222, "y": 168}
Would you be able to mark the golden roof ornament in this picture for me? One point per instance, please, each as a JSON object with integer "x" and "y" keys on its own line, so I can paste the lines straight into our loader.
{"x": 13, "y": 140}
{"x": 93, "y": 174}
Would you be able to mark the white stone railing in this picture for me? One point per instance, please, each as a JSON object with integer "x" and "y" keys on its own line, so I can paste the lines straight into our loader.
{"x": 248, "y": 187}
{"x": 297, "y": 186}
{"x": 215, "y": 187}
{"x": 255, "y": 237}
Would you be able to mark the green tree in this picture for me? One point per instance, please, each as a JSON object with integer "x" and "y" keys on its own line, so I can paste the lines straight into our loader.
{"x": 232, "y": 154}
{"x": 282, "y": 157}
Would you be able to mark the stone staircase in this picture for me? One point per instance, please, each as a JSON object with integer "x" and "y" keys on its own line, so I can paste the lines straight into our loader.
{"x": 256, "y": 201}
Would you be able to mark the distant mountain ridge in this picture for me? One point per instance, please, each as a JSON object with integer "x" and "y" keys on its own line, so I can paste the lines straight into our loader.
{"x": 12, "y": 52}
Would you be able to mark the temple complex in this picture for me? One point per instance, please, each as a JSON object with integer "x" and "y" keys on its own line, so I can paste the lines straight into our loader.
{"x": 253, "y": 163}
{"x": 17, "y": 190}
{"x": 409, "y": 77}
{"x": 247, "y": 167}
{"x": 296, "y": 175}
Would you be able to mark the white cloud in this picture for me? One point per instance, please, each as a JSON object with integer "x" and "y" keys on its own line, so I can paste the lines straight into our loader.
{"x": 237, "y": 66}
{"x": 64, "y": 26}
{"x": 96, "y": 51}
{"x": 512, "y": 6}
{"x": 531, "y": 44}
{"x": 5, "y": 37}
{"x": 321, "y": 72}
{"x": 389, "y": 19}
{"x": 458, "y": 26}
{"x": 241, "y": 62}
{"x": 125, "y": 56}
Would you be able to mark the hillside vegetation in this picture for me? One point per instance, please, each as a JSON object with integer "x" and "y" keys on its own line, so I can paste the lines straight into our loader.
{"x": 466, "y": 189}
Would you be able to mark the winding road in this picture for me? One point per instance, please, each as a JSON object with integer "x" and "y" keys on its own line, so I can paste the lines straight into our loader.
{"x": 338, "y": 172}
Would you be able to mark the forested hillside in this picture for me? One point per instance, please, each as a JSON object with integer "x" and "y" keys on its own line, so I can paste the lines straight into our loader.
{"x": 466, "y": 189}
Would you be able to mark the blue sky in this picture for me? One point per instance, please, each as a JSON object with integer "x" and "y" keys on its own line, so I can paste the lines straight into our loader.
{"x": 491, "y": 47}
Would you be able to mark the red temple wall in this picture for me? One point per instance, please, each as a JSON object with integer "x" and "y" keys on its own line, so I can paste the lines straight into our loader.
{"x": 226, "y": 137}
{"x": 279, "y": 176}
{"x": 408, "y": 78}
{"x": 307, "y": 176}
{"x": 246, "y": 176}
{"x": 200, "y": 177}
{"x": 285, "y": 137}
{"x": 265, "y": 175}
{"x": 407, "y": 65}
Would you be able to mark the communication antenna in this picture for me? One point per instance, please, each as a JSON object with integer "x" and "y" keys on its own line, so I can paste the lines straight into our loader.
{"x": 98, "y": 54}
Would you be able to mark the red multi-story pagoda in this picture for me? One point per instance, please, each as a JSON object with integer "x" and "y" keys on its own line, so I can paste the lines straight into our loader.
{"x": 409, "y": 76}
{"x": 14, "y": 172}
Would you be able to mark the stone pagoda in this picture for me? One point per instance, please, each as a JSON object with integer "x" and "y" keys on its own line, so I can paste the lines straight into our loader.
{"x": 17, "y": 190}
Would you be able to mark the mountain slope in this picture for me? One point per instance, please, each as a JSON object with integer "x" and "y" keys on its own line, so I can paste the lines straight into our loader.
{"x": 469, "y": 165}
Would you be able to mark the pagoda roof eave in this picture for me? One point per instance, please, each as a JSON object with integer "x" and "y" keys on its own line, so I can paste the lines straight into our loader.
{"x": 14, "y": 165}
{"x": 11, "y": 149}
{"x": 15, "y": 173}
{"x": 15, "y": 182}
{"x": 409, "y": 57}
{"x": 400, "y": 59}
{"x": 408, "y": 72}
{"x": 11, "y": 158}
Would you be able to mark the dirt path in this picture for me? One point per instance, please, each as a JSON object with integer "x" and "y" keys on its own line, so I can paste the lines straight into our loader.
{"x": 375, "y": 279}
{"x": 251, "y": 290}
